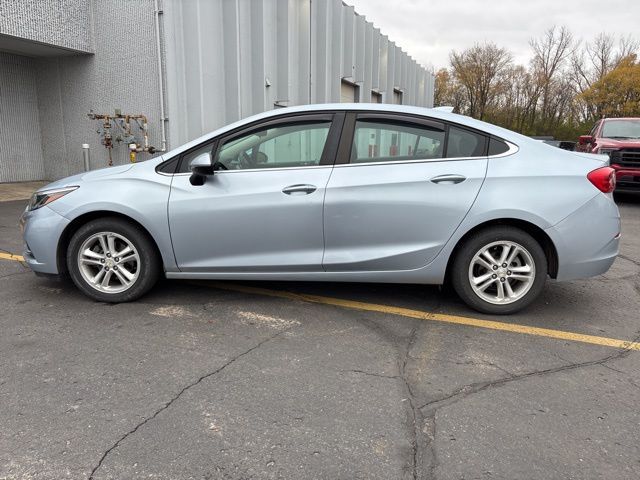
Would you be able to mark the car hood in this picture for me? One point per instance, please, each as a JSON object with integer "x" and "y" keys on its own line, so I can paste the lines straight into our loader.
{"x": 613, "y": 143}
{"x": 88, "y": 176}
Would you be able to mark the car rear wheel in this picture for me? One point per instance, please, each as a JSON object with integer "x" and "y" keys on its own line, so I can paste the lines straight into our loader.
{"x": 499, "y": 270}
{"x": 112, "y": 260}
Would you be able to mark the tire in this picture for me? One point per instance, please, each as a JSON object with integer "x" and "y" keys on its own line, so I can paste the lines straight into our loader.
{"x": 520, "y": 285}
{"x": 127, "y": 278}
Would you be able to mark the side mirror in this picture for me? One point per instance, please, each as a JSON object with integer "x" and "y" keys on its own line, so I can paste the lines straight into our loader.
{"x": 201, "y": 167}
{"x": 585, "y": 140}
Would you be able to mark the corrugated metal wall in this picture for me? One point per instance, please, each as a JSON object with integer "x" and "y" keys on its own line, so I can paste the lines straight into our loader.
{"x": 229, "y": 59}
{"x": 20, "y": 147}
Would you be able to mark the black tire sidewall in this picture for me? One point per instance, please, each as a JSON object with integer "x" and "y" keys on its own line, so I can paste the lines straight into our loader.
{"x": 149, "y": 262}
{"x": 470, "y": 247}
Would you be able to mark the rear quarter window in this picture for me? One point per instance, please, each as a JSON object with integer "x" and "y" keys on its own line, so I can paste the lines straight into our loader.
{"x": 497, "y": 147}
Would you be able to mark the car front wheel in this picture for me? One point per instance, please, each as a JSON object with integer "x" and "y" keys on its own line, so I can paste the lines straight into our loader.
{"x": 112, "y": 260}
{"x": 499, "y": 270}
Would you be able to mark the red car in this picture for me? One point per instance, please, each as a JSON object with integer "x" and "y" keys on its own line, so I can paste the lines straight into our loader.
{"x": 620, "y": 139}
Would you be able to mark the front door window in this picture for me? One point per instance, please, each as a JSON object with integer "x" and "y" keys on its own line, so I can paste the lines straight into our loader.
{"x": 277, "y": 146}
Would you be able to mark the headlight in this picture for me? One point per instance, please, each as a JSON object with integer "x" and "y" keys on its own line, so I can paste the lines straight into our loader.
{"x": 606, "y": 151}
{"x": 40, "y": 199}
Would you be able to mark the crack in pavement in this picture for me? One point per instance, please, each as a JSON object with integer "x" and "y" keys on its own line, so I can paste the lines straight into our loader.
{"x": 629, "y": 381}
{"x": 415, "y": 414}
{"x": 403, "y": 347}
{"x": 433, "y": 406}
{"x": 636, "y": 262}
{"x": 476, "y": 363}
{"x": 14, "y": 274}
{"x": 176, "y": 397}
{"x": 473, "y": 388}
{"x": 394, "y": 377}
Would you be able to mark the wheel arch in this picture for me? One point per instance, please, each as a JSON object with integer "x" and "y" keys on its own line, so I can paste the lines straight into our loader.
{"x": 79, "y": 221}
{"x": 535, "y": 231}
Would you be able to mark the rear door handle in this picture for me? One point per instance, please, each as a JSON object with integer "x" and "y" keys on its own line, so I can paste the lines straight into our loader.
{"x": 449, "y": 179}
{"x": 300, "y": 189}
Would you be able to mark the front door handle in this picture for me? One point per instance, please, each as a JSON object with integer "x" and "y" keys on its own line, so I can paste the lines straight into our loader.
{"x": 449, "y": 179}
{"x": 300, "y": 189}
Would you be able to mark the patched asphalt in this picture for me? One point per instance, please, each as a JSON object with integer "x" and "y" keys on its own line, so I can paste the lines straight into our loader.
{"x": 197, "y": 382}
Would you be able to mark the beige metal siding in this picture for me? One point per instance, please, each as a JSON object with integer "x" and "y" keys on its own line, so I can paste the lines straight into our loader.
{"x": 348, "y": 92}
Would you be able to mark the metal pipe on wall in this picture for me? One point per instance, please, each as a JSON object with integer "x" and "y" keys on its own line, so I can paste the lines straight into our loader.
{"x": 86, "y": 157}
{"x": 163, "y": 131}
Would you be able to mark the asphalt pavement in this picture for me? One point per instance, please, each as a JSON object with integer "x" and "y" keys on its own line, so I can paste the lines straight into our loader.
{"x": 269, "y": 380}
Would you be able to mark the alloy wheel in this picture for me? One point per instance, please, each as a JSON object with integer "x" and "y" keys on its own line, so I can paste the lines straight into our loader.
{"x": 502, "y": 272}
{"x": 109, "y": 262}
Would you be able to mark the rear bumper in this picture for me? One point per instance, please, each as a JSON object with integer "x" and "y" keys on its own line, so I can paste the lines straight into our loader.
{"x": 41, "y": 231}
{"x": 587, "y": 241}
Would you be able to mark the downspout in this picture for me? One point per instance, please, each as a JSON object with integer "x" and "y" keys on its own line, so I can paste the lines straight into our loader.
{"x": 163, "y": 132}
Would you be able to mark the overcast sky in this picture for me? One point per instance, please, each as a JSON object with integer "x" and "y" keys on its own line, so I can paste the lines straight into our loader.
{"x": 429, "y": 29}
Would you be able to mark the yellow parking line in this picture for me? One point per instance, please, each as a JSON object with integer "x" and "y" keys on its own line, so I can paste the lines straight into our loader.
{"x": 419, "y": 314}
{"x": 436, "y": 317}
{"x": 10, "y": 256}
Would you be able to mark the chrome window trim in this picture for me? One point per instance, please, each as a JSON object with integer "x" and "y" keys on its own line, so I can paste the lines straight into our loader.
{"x": 164, "y": 174}
{"x": 400, "y": 162}
{"x": 513, "y": 148}
{"x": 223, "y": 172}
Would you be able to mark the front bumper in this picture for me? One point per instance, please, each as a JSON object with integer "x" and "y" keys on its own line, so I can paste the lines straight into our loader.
{"x": 627, "y": 179}
{"x": 587, "y": 241}
{"x": 41, "y": 231}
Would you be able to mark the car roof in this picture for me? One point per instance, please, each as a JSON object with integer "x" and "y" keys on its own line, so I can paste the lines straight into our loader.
{"x": 431, "y": 113}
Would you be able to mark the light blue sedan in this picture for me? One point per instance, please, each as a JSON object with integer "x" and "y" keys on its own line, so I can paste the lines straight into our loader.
{"x": 344, "y": 192}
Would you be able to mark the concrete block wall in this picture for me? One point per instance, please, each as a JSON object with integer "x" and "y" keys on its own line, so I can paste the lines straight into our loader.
{"x": 121, "y": 74}
{"x": 60, "y": 23}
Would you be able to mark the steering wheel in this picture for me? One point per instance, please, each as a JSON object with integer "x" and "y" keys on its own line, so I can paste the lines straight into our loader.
{"x": 245, "y": 160}
{"x": 219, "y": 166}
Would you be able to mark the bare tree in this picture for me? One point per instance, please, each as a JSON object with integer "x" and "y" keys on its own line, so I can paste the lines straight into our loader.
{"x": 547, "y": 96}
{"x": 479, "y": 70}
{"x": 518, "y": 99}
{"x": 448, "y": 91}
{"x": 626, "y": 46}
{"x": 550, "y": 54}
{"x": 593, "y": 63}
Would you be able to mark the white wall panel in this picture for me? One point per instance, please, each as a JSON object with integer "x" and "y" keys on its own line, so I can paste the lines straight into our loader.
{"x": 375, "y": 59}
{"x": 348, "y": 46}
{"x": 229, "y": 59}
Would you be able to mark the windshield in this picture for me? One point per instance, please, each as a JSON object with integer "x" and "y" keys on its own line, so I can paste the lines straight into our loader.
{"x": 621, "y": 129}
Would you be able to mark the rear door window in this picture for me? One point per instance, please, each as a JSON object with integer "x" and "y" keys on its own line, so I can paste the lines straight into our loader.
{"x": 387, "y": 140}
{"x": 465, "y": 143}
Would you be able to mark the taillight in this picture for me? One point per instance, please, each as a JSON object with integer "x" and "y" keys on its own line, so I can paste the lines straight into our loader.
{"x": 603, "y": 178}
